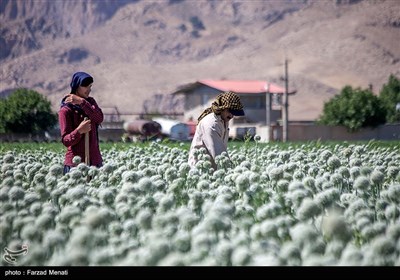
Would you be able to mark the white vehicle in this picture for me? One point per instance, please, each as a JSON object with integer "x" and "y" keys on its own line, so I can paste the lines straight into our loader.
{"x": 174, "y": 129}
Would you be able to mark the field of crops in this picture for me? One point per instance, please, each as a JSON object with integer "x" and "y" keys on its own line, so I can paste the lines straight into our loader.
{"x": 276, "y": 205}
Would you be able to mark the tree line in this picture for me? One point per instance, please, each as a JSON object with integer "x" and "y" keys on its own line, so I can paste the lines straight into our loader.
{"x": 356, "y": 108}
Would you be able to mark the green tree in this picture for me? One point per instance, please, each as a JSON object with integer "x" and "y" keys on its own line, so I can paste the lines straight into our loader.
{"x": 26, "y": 111}
{"x": 390, "y": 98}
{"x": 354, "y": 109}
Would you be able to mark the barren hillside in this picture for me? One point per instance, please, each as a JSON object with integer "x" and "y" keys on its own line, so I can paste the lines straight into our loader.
{"x": 139, "y": 49}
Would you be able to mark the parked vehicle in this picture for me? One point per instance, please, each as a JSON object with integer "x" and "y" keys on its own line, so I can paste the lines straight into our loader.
{"x": 173, "y": 129}
{"x": 143, "y": 129}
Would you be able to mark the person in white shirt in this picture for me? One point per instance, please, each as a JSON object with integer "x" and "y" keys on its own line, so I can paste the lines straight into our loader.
{"x": 212, "y": 131}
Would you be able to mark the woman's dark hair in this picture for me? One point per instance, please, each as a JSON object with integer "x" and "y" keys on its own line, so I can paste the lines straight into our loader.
{"x": 87, "y": 81}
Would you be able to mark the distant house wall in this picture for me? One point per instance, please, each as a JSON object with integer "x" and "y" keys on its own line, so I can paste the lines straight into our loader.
{"x": 202, "y": 97}
{"x": 197, "y": 101}
{"x": 311, "y": 132}
{"x": 315, "y": 132}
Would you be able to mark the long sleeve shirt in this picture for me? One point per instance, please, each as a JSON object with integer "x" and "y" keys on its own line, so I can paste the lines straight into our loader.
{"x": 69, "y": 120}
{"x": 212, "y": 133}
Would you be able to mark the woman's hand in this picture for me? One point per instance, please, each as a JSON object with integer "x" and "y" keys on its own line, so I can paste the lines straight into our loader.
{"x": 73, "y": 99}
{"x": 84, "y": 126}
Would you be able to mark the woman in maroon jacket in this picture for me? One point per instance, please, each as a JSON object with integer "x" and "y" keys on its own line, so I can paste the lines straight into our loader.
{"x": 75, "y": 107}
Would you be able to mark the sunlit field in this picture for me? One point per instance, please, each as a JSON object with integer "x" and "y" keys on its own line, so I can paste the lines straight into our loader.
{"x": 275, "y": 204}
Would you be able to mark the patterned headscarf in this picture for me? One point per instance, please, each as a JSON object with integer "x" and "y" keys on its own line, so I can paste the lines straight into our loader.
{"x": 224, "y": 100}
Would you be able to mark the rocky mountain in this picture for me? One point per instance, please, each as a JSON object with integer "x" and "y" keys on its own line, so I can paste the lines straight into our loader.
{"x": 141, "y": 51}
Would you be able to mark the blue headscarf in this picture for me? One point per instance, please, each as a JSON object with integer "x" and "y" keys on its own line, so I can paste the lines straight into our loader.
{"x": 77, "y": 80}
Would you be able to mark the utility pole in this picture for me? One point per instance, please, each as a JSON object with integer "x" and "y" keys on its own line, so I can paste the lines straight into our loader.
{"x": 285, "y": 105}
{"x": 268, "y": 111}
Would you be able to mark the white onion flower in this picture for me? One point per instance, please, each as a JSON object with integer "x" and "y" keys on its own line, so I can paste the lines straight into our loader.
{"x": 68, "y": 213}
{"x": 351, "y": 256}
{"x": 53, "y": 238}
{"x": 380, "y": 227}
{"x": 367, "y": 213}
{"x": 16, "y": 193}
{"x": 347, "y": 198}
{"x": 383, "y": 247}
{"x": 344, "y": 171}
{"x": 394, "y": 193}
{"x": 246, "y": 164}
{"x": 361, "y": 183}
{"x": 108, "y": 168}
{"x": 327, "y": 197}
{"x": 282, "y": 185}
{"x": 8, "y": 182}
{"x": 44, "y": 222}
{"x": 334, "y": 162}
{"x": 182, "y": 241}
{"x": 308, "y": 209}
{"x": 167, "y": 202}
{"x": 268, "y": 211}
{"x": 355, "y": 162}
{"x": 145, "y": 185}
{"x": 303, "y": 234}
{"x": 242, "y": 182}
{"x": 284, "y": 156}
{"x": 7, "y": 167}
{"x": 337, "y": 179}
{"x": 368, "y": 232}
{"x": 76, "y": 160}
{"x": 106, "y": 196}
{"x": 377, "y": 177}
{"x": 4, "y": 196}
{"x": 296, "y": 197}
{"x": 75, "y": 193}
{"x": 393, "y": 231}
{"x": 276, "y": 173}
{"x": 29, "y": 232}
{"x": 131, "y": 227}
{"x": 173, "y": 259}
{"x": 309, "y": 183}
{"x": 268, "y": 229}
{"x": 325, "y": 155}
{"x": 144, "y": 218}
{"x": 392, "y": 212}
{"x": 335, "y": 248}
{"x": 290, "y": 254}
{"x": 355, "y": 206}
{"x": 35, "y": 208}
{"x": 241, "y": 256}
{"x": 392, "y": 171}
{"x": 8, "y": 158}
{"x": 312, "y": 171}
{"x": 295, "y": 185}
{"x": 298, "y": 175}
{"x": 39, "y": 179}
{"x": 83, "y": 168}
{"x": 203, "y": 185}
{"x": 18, "y": 175}
{"x": 362, "y": 222}
{"x": 96, "y": 218}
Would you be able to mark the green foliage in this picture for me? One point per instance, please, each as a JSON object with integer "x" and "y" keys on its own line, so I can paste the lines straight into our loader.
{"x": 26, "y": 111}
{"x": 390, "y": 97}
{"x": 354, "y": 109}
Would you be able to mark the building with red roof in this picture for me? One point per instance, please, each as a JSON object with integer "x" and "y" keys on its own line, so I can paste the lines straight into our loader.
{"x": 261, "y": 101}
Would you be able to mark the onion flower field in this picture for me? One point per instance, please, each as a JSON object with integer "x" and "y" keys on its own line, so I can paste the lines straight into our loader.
{"x": 266, "y": 205}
